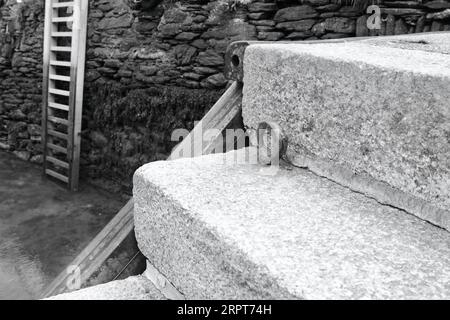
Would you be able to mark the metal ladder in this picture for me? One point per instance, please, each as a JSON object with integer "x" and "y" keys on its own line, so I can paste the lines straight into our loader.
{"x": 63, "y": 77}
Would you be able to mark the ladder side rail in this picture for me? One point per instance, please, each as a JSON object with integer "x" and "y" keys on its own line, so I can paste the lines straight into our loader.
{"x": 45, "y": 79}
{"x": 80, "y": 29}
{"x": 72, "y": 87}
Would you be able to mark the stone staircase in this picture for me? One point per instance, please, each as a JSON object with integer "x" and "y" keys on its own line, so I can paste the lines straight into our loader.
{"x": 223, "y": 230}
{"x": 358, "y": 208}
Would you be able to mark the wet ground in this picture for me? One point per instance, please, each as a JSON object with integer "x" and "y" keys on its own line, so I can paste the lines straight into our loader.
{"x": 43, "y": 226}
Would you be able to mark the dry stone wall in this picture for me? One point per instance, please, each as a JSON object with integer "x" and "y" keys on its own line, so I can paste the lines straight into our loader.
{"x": 137, "y": 52}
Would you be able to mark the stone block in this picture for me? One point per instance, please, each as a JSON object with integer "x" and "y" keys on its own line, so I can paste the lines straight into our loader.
{"x": 221, "y": 229}
{"x": 210, "y": 58}
{"x": 295, "y": 13}
{"x": 340, "y": 25}
{"x": 300, "y": 25}
{"x": 132, "y": 288}
{"x": 377, "y": 107}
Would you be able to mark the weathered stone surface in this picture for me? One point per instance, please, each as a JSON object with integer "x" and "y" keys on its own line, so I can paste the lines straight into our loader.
{"x": 328, "y": 7}
{"x": 193, "y": 76}
{"x": 123, "y": 21}
{"x": 437, "y": 4}
{"x": 169, "y": 30}
{"x": 34, "y": 129}
{"x": 264, "y": 28}
{"x": 361, "y": 27}
{"x": 270, "y": 36}
{"x": 400, "y": 27}
{"x": 295, "y": 13}
{"x": 420, "y": 24}
{"x": 175, "y": 15}
{"x": 204, "y": 70}
{"x": 259, "y": 15}
{"x": 349, "y": 11}
{"x": 402, "y": 11}
{"x": 334, "y": 35}
{"x": 319, "y": 29}
{"x": 436, "y": 26}
{"x": 301, "y": 25}
{"x": 210, "y": 58}
{"x": 269, "y": 23}
{"x": 98, "y": 139}
{"x": 132, "y": 288}
{"x": 112, "y": 63}
{"x": 356, "y": 124}
{"x": 186, "y": 36}
{"x": 217, "y": 80}
{"x": 390, "y": 25}
{"x": 17, "y": 114}
{"x": 184, "y": 54}
{"x": 299, "y": 35}
{"x": 289, "y": 235}
{"x": 439, "y": 15}
{"x": 403, "y": 4}
{"x": 262, "y": 7}
{"x": 340, "y": 25}
{"x": 317, "y": 2}
{"x": 24, "y": 155}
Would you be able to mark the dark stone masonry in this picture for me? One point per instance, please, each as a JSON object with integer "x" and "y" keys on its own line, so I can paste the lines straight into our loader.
{"x": 150, "y": 70}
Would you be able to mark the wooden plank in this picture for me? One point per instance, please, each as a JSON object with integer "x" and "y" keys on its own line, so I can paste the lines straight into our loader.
{"x": 58, "y": 162}
{"x": 60, "y": 63}
{"x": 58, "y": 120}
{"x": 45, "y": 72}
{"x": 58, "y": 106}
{"x": 59, "y": 77}
{"x": 78, "y": 62}
{"x": 62, "y": 4}
{"x": 57, "y": 148}
{"x": 62, "y": 19}
{"x": 218, "y": 117}
{"x": 57, "y": 175}
{"x": 161, "y": 283}
{"x": 57, "y": 134}
{"x": 59, "y": 92}
{"x": 62, "y": 34}
{"x": 61, "y": 49}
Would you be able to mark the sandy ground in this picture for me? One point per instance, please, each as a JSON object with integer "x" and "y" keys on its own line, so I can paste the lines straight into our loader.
{"x": 43, "y": 226}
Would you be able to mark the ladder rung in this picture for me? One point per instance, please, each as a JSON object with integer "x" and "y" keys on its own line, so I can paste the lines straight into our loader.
{"x": 57, "y": 148}
{"x": 63, "y": 4}
{"x": 57, "y": 175}
{"x": 58, "y": 120}
{"x": 59, "y": 92}
{"x": 58, "y": 106}
{"x": 62, "y": 19}
{"x": 58, "y": 162}
{"x": 63, "y": 49}
{"x": 60, "y": 63}
{"x": 61, "y": 34}
{"x": 57, "y": 134}
{"x": 59, "y": 78}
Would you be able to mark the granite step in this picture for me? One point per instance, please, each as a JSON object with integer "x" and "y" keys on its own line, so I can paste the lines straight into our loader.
{"x": 221, "y": 229}
{"x": 131, "y": 288}
{"x": 372, "y": 114}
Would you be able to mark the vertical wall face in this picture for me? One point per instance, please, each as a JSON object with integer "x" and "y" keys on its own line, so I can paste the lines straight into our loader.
{"x": 135, "y": 50}
{"x": 21, "y": 30}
